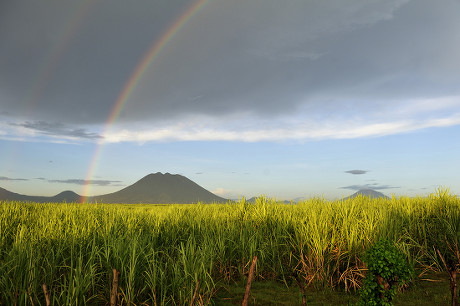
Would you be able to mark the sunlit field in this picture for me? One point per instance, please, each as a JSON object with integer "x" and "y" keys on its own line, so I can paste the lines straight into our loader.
{"x": 164, "y": 252}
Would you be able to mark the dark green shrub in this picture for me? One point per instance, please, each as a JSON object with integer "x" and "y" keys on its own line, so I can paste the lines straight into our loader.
{"x": 387, "y": 270}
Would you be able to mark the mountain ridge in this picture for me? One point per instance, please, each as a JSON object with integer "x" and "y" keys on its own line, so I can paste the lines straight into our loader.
{"x": 154, "y": 188}
{"x": 65, "y": 196}
{"x": 367, "y": 193}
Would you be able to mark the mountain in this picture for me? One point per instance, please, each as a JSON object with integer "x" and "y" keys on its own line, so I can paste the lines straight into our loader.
{"x": 160, "y": 188}
{"x": 11, "y": 196}
{"x": 66, "y": 196}
{"x": 153, "y": 188}
{"x": 367, "y": 193}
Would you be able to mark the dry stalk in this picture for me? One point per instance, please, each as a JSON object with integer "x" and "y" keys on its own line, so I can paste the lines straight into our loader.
{"x": 453, "y": 279}
{"x": 195, "y": 292}
{"x": 352, "y": 277}
{"x": 308, "y": 269}
{"x": 47, "y": 294}
{"x": 114, "y": 293}
{"x": 250, "y": 278}
{"x": 30, "y": 297}
{"x": 155, "y": 299}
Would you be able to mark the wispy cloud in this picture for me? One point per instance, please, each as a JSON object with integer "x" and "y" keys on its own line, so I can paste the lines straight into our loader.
{"x": 57, "y": 129}
{"x": 246, "y": 127}
{"x": 85, "y": 182}
{"x": 294, "y": 128}
{"x": 4, "y": 178}
{"x": 369, "y": 186}
{"x": 356, "y": 172}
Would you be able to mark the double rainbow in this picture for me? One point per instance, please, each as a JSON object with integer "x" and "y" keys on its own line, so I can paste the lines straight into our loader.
{"x": 52, "y": 59}
{"x": 132, "y": 82}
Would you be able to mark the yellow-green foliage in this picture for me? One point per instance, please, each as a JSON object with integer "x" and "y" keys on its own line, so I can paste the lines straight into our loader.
{"x": 162, "y": 251}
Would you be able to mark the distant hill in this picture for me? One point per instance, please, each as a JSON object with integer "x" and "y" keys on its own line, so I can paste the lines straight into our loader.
{"x": 66, "y": 196}
{"x": 11, "y": 196}
{"x": 160, "y": 188}
{"x": 367, "y": 193}
{"x": 153, "y": 188}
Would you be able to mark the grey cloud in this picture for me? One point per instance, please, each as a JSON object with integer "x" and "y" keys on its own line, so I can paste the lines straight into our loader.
{"x": 75, "y": 68}
{"x": 352, "y": 64}
{"x": 356, "y": 172}
{"x": 261, "y": 57}
{"x": 4, "y": 178}
{"x": 369, "y": 186}
{"x": 85, "y": 182}
{"x": 58, "y": 129}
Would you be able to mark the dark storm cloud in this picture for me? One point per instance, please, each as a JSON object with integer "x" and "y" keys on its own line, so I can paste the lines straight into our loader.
{"x": 356, "y": 172}
{"x": 274, "y": 59}
{"x": 85, "y": 182}
{"x": 259, "y": 59}
{"x": 369, "y": 186}
{"x": 71, "y": 59}
{"x": 4, "y": 178}
{"x": 58, "y": 129}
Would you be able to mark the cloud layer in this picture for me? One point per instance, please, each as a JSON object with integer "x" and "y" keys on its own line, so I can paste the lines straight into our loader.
{"x": 356, "y": 172}
{"x": 57, "y": 129}
{"x": 239, "y": 70}
{"x": 70, "y": 181}
{"x": 5, "y": 178}
{"x": 87, "y": 182}
{"x": 369, "y": 186}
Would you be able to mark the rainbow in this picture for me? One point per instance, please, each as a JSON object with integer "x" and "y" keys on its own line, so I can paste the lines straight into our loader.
{"x": 132, "y": 82}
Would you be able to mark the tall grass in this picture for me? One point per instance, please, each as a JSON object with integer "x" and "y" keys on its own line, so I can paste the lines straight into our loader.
{"x": 163, "y": 251}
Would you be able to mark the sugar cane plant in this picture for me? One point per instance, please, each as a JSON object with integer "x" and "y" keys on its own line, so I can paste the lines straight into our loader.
{"x": 179, "y": 254}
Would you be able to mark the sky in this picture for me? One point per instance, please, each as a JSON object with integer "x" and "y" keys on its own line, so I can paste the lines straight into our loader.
{"x": 288, "y": 99}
